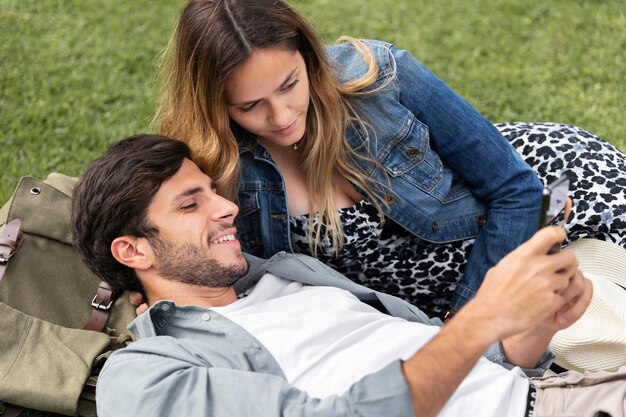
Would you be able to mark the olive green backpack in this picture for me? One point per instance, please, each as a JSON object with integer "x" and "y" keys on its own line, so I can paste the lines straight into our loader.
{"x": 58, "y": 321}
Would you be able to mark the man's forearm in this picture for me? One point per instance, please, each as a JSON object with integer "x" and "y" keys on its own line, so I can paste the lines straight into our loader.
{"x": 435, "y": 371}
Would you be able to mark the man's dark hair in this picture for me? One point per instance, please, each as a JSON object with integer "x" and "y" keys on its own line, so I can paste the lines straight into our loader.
{"x": 112, "y": 197}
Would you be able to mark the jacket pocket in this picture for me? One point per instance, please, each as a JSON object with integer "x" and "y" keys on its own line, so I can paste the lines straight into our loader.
{"x": 410, "y": 157}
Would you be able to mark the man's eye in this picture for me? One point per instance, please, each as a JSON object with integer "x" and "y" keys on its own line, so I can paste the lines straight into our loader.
{"x": 188, "y": 207}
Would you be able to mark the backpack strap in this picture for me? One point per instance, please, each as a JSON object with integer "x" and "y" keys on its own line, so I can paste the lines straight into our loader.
{"x": 101, "y": 303}
{"x": 9, "y": 242}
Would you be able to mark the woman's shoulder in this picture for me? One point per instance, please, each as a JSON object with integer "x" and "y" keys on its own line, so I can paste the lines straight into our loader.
{"x": 350, "y": 61}
{"x": 347, "y": 46}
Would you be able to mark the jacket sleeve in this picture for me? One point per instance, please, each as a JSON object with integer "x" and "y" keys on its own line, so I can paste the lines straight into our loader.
{"x": 136, "y": 382}
{"x": 476, "y": 151}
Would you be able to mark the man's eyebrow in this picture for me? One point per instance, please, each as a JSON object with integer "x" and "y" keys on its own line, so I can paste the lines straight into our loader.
{"x": 282, "y": 85}
{"x": 187, "y": 193}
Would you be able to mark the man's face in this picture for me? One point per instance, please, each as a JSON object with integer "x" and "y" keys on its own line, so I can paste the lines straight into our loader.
{"x": 196, "y": 243}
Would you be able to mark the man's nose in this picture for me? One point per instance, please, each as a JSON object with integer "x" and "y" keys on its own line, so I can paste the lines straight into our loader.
{"x": 223, "y": 208}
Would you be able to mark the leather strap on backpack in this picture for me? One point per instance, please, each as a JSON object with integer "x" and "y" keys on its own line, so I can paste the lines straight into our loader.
{"x": 9, "y": 242}
{"x": 101, "y": 303}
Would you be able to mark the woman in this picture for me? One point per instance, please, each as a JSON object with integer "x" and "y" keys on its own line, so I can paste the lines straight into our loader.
{"x": 357, "y": 153}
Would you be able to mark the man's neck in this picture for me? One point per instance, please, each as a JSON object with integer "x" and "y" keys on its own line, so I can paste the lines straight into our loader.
{"x": 187, "y": 294}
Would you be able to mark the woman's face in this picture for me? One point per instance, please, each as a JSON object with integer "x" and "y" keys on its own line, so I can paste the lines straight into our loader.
{"x": 269, "y": 95}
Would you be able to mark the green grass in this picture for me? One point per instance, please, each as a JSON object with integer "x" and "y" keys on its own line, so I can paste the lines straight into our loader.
{"x": 78, "y": 75}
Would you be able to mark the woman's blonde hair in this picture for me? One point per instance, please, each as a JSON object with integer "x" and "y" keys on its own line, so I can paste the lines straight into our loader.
{"x": 212, "y": 39}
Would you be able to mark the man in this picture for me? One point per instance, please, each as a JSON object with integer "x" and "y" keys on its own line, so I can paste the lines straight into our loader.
{"x": 232, "y": 335}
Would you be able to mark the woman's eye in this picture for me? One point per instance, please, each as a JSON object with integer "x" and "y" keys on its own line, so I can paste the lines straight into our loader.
{"x": 292, "y": 85}
{"x": 246, "y": 109}
{"x": 188, "y": 207}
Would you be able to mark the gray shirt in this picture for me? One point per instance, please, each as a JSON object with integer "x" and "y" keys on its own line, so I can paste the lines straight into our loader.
{"x": 193, "y": 361}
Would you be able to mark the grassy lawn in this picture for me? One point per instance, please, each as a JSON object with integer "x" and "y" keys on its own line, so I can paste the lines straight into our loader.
{"x": 78, "y": 75}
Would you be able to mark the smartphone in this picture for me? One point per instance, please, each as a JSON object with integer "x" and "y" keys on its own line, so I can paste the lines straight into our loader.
{"x": 553, "y": 202}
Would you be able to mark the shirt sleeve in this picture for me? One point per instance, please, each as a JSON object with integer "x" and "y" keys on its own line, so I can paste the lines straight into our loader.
{"x": 136, "y": 383}
{"x": 495, "y": 354}
{"x": 476, "y": 151}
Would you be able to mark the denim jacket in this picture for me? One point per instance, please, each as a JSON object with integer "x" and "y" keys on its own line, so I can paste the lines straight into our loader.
{"x": 451, "y": 173}
{"x": 192, "y": 361}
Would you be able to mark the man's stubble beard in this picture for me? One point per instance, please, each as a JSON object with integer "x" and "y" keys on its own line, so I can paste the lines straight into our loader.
{"x": 189, "y": 264}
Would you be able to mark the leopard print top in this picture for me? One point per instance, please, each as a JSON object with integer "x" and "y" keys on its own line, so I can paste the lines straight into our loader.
{"x": 387, "y": 258}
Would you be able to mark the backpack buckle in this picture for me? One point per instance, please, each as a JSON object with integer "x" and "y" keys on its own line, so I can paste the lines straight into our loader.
{"x": 4, "y": 261}
{"x": 100, "y": 304}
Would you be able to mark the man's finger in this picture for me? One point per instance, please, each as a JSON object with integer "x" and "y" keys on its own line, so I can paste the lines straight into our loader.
{"x": 577, "y": 306}
{"x": 545, "y": 239}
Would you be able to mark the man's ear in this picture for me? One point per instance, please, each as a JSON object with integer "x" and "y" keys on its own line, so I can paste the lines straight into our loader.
{"x": 134, "y": 252}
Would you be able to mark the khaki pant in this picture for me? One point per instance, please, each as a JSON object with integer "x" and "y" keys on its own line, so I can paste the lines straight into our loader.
{"x": 572, "y": 394}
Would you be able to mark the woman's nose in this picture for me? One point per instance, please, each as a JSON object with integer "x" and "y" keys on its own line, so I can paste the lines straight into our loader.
{"x": 280, "y": 115}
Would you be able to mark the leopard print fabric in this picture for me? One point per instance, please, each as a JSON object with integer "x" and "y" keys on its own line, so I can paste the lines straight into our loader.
{"x": 596, "y": 169}
{"x": 387, "y": 258}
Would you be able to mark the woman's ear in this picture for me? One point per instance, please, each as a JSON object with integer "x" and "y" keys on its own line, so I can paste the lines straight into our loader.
{"x": 134, "y": 252}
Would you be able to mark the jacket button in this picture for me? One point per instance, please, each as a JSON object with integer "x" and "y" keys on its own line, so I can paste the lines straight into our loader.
{"x": 434, "y": 227}
{"x": 412, "y": 152}
{"x": 481, "y": 220}
{"x": 388, "y": 199}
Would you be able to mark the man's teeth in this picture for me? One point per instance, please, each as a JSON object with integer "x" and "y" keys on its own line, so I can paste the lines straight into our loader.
{"x": 225, "y": 238}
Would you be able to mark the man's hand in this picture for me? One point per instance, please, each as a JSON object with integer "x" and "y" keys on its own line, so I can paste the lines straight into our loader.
{"x": 579, "y": 294}
{"x": 528, "y": 286}
{"x": 523, "y": 300}
{"x": 526, "y": 348}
